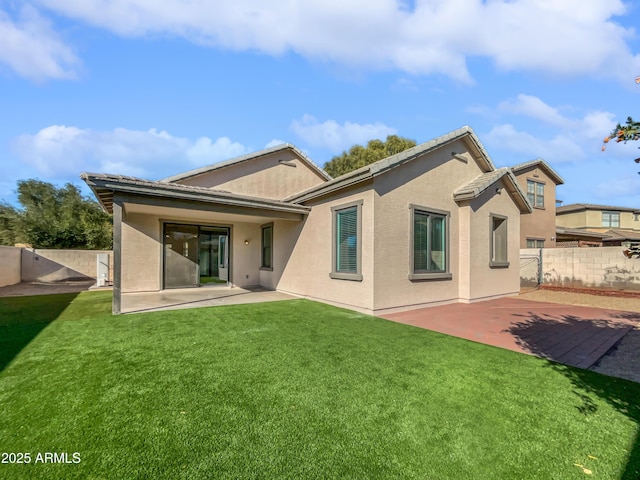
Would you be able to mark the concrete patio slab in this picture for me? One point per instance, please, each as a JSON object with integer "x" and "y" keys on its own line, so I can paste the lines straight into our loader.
{"x": 175, "y": 299}
{"x": 577, "y": 336}
{"x": 26, "y": 289}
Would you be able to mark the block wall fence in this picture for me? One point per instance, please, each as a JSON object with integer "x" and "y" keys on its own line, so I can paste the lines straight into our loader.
{"x": 48, "y": 265}
{"x": 598, "y": 267}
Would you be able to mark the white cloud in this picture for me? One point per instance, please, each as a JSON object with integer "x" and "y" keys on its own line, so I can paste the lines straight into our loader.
{"x": 574, "y": 139}
{"x": 62, "y": 152}
{"x": 533, "y": 107}
{"x": 618, "y": 187}
{"x": 32, "y": 49}
{"x": 335, "y": 137}
{"x": 559, "y": 148}
{"x": 571, "y": 37}
{"x": 273, "y": 143}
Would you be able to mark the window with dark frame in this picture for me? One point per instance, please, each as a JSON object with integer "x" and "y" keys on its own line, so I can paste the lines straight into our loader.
{"x": 347, "y": 242}
{"x": 535, "y": 193}
{"x": 266, "y": 262}
{"x": 429, "y": 242}
{"x": 499, "y": 253}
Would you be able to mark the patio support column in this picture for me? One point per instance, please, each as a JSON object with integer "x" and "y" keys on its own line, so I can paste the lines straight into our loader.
{"x": 117, "y": 255}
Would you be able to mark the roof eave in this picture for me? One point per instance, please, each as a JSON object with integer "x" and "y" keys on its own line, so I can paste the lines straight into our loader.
{"x": 103, "y": 188}
{"x": 558, "y": 180}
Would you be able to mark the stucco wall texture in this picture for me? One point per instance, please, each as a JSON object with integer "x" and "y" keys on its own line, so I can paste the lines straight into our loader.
{"x": 10, "y": 263}
{"x": 603, "y": 267}
{"x": 49, "y": 265}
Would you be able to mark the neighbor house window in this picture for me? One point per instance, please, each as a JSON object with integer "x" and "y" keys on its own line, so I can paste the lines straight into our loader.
{"x": 611, "y": 219}
{"x": 535, "y": 243}
{"x": 266, "y": 262}
{"x": 499, "y": 254}
{"x": 535, "y": 193}
{"x": 347, "y": 241}
{"x": 429, "y": 244}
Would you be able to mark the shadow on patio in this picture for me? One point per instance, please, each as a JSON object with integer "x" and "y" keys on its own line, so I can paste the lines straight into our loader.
{"x": 570, "y": 339}
{"x": 542, "y": 335}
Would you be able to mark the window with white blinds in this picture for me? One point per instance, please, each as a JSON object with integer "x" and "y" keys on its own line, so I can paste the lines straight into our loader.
{"x": 347, "y": 241}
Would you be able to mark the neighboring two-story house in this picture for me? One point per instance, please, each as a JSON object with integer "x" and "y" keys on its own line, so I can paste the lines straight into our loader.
{"x": 613, "y": 226}
{"x": 539, "y": 181}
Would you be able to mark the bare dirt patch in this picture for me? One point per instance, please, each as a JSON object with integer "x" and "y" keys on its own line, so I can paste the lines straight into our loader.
{"x": 623, "y": 360}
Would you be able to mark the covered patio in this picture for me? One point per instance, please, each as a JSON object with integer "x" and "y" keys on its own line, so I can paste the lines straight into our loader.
{"x": 170, "y": 236}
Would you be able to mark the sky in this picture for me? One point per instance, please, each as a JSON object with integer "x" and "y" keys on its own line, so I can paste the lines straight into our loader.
{"x": 150, "y": 89}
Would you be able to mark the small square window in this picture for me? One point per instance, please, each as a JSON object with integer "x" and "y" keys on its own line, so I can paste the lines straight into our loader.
{"x": 535, "y": 243}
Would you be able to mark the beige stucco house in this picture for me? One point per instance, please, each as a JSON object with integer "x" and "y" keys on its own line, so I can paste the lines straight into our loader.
{"x": 434, "y": 224}
{"x": 539, "y": 181}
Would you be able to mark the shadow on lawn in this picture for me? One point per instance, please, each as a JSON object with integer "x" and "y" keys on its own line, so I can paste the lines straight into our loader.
{"x": 22, "y": 319}
{"x": 542, "y": 336}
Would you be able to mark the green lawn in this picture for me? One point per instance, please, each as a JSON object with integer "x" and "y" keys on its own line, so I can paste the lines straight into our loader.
{"x": 293, "y": 389}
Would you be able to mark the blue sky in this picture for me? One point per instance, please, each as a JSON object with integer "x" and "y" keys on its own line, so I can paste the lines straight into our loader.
{"x": 150, "y": 89}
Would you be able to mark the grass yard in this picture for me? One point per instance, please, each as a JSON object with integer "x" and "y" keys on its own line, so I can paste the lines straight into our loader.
{"x": 293, "y": 389}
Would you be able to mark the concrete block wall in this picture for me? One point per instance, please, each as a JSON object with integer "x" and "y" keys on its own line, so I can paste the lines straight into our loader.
{"x": 529, "y": 266}
{"x": 598, "y": 267}
{"x": 49, "y": 265}
{"x": 10, "y": 265}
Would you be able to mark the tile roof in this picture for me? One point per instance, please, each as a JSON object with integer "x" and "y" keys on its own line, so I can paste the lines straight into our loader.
{"x": 481, "y": 183}
{"x": 577, "y": 207}
{"x": 538, "y": 162}
{"x": 578, "y": 232}
{"x": 381, "y": 166}
{"x": 105, "y": 185}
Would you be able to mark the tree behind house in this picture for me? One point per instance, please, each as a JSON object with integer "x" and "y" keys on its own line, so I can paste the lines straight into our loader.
{"x": 359, "y": 156}
{"x": 51, "y": 217}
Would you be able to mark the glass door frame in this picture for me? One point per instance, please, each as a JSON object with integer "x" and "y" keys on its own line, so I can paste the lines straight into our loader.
{"x": 229, "y": 250}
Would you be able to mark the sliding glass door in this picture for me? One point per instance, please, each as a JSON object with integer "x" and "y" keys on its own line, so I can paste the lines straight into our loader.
{"x": 195, "y": 255}
{"x": 214, "y": 255}
{"x": 181, "y": 267}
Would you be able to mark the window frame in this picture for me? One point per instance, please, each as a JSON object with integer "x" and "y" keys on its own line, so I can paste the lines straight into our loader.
{"x": 334, "y": 273}
{"x": 263, "y": 266}
{"x": 416, "y": 276}
{"x": 537, "y": 241}
{"x": 611, "y": 213}
{"x": 492, "y": 262}
{"x": 535, "y": 193}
